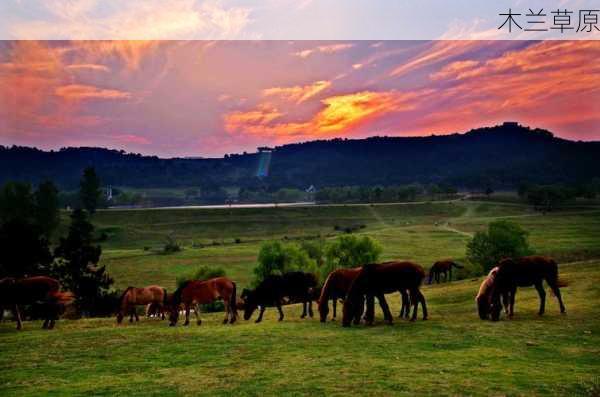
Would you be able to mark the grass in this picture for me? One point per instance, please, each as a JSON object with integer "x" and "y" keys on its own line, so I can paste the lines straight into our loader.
{"x": 453, "y": 353}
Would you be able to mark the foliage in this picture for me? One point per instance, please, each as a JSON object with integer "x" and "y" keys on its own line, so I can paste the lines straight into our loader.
{"x": 89, "y": 190}
{"x": 76, "y": 265}
{"x": 23, "y": 231}
{"x": 171, "y": 245}
{"x": 503, "y": 239}
{"x": 350, "y": 251}
{"x": 202, "y": 273}
{"x": 275, "y": 257}
{"x": 315, "y": 249}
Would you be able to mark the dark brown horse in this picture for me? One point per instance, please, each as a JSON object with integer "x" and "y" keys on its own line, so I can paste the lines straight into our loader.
{"x": 525, "y": 272}
{"x": 336, "y": 287}
{"x": 296, "y": 286}
{"x": 442, "y": 267}
{"x": 199, "y": 292}
{"x": 34, "y": 290}
{"x": 132, "y": 297}
{"x": 376, "y": 280}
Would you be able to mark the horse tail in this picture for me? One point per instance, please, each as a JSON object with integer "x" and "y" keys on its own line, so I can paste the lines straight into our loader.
{"x": 233, "y": 299}
{"x": 165, "y": 297}
{"x": 62, "y": 298}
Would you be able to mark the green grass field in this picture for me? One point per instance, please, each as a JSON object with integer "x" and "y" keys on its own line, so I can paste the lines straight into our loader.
{"x": 453, "y": 353}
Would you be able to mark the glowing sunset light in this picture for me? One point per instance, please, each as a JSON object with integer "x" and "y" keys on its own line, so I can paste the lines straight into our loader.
{"x": 190, "y": 98}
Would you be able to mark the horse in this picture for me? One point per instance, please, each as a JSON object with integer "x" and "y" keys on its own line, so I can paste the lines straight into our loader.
{"x": 198, "y": 292}
{"x": 156, "y": 310}
{"x": 376, "y": 280}
{"x": 297, "y": 286}
{"x": 132, "y": 297}
{"x": 442, "y": 267}
{"x": 524, "y": 272}
{"x": 33, "y": 290}
{"x": 336, "y": 287}
{"x": 483, "y": 297}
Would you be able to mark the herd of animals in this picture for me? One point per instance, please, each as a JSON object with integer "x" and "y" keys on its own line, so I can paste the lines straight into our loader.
{"x": 356, "y": 287}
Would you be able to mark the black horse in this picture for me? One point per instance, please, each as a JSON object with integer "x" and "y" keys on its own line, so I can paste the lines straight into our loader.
{"x": 295, "y": 286}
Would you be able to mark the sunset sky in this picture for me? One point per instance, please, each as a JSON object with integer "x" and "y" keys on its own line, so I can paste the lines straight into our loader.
{"x": 208, "y": 98}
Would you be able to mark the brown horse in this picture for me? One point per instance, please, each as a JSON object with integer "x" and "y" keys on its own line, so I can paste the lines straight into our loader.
{"x": 132, "y": 297}
{"x": 336, "y": 287}
{"x": 197, "y": 292}
{"x": 525, "y": 272}
{"x": 376, "y": 280}
{"x": 34, "y": 290}
{"x": 442, "y": 267}
{"x": 484, "y": 296}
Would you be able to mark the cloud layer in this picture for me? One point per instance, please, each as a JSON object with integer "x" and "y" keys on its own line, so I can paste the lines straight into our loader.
{"x": 177, "y": 98}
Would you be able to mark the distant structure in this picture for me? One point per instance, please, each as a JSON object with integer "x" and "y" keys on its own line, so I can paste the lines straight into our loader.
{"x": 264, "y": 161}
{"x": 311, "y": 189}
{"x": 109, "y": 193}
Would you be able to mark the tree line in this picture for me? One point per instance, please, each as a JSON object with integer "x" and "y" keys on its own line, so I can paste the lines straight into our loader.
{"x": 29, "y": 221}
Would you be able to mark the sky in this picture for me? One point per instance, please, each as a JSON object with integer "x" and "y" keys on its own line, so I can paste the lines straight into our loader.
{"x": 209, "y": 98}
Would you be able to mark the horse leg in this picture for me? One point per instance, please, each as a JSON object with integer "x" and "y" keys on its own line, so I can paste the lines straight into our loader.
{"x": 187, "y": 314}
{"x": 423, "y": 304}
{"x": 505, "y": 301}
{"x": 334, "y": 304}
{"x": 415, "y": 301}
{"x": 511, "y": 309}
{"x": 137, "y": 318}
{"x": 387, "y": 315}
{"x": 556, "y": 291}
{"x": 17, "y": 315}
{"x": 540, "y": 289}
{"x": 45, "y": 324}
{"x": 280, "y": 311}
{"x": 227, "y": 311}
{"x": 197, "y": 312}
{"x": 311, "y": 314}
{"x": 260, "y": 315}
{"x": 303, "y": 310}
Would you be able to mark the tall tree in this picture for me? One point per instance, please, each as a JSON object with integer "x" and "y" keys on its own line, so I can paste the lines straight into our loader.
{"x": 89, "y": 190}
{"x": 77, "y": 264}
{"x": 46, "y": 207}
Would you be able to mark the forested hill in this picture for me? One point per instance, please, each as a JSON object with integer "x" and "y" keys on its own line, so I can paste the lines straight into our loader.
{"x": 502, "y": 156}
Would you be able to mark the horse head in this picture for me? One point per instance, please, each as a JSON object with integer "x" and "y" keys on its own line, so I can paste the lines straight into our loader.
{"x": 250, "y": 304}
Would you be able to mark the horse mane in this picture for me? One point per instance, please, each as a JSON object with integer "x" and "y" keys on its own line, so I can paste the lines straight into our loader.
{"x": 178, "y": 291}
{"x": 325, "y": 290}
{"x": 124, "y": 293}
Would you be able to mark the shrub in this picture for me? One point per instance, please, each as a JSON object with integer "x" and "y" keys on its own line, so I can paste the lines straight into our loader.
{"x": 277, "y": 258}
{"x": 350, "y": 251}
{"x": 503, "y": 239}
{"x": 171, "y": 246}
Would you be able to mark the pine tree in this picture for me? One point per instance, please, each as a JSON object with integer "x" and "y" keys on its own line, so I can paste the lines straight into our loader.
{"x": 89, "y": 190}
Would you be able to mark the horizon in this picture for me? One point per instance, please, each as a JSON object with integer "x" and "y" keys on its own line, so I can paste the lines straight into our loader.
{"x": 256, "y": 150}
{"x": 211, "y": 98}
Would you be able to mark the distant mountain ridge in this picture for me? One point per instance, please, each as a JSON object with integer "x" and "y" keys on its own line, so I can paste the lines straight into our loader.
{"x": 503, "y": 155}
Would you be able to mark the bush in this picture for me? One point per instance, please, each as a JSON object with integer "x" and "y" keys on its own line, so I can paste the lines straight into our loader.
{"x": 202, "y": 273}
{"x": 171, "y": 246}
{"x": 277, "y": 258}
{"x": 504, "y": 239}
{"x": 350, "y": 251}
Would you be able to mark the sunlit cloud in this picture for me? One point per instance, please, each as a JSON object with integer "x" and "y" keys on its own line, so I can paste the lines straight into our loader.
{"x": 88, "y": 66}
{"x": 82, "y": 92}
{"x": 298, "y": 94}
{"x": 324, "y": 49}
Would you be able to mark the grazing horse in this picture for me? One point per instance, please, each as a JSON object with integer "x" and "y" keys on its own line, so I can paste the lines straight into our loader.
{"x": 336, "y": 287}
{"x": 132, "y": 297}
{"x": 525, "y": 272}
{"x": 199, "y": 292}
{"x": 33, "y": 290}
{"x": 376, "y": 280}
{"x": 442, "y": 267}
{"x": 297, "y": 286}
{"x": 484, "y": 296}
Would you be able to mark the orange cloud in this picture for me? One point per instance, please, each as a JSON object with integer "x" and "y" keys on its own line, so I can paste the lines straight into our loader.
{"x": 325, "y": 49}
{"x": 298, "y": 94}
{"x": 340, "y": 113}
{"x": 88, "y": 66}
{"x": 82, "y": 92}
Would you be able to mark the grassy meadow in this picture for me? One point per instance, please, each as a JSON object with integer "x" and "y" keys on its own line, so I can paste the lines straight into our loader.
{"x": 452, "y": 353}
